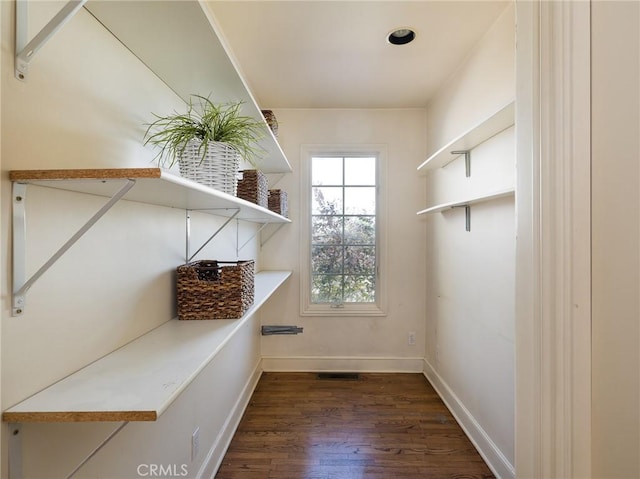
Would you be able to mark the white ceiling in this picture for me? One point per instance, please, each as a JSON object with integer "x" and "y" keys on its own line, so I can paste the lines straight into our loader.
{"x": 334, "y": 54}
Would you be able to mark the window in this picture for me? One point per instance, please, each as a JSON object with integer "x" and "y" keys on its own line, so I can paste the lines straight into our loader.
{"x": 343, "y": 247}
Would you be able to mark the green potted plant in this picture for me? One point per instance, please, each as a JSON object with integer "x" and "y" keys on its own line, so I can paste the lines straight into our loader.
{"x": 207, "y": 142}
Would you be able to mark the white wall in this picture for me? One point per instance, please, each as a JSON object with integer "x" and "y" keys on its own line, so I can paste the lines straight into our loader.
{"x": 354, "y": 343}
{"x": 209, "y": 402}
{"x": 615, "y": 239}
{"x": 470, "y": 316}
{"x": 84, "y": 106}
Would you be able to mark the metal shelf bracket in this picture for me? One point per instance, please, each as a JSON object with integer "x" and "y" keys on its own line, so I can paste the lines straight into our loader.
{"x": 467, "y": 160}
{"x": 188, "y": 256}
{"x": 238, "y": 249}
{"x": 467, "y": 216}
{"x": 98, "y": 448}
{"x": 25, "y": 50}
{"x": 15, "y": 451}
{"x": 20, "y": 285}
{"x": 263, "y": 240}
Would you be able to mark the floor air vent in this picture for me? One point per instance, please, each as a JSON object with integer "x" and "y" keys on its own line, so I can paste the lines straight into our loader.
{"x": 343, "y": 376}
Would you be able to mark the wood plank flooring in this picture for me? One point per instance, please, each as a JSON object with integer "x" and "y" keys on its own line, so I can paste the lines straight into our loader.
{"x": 380, "y": 426}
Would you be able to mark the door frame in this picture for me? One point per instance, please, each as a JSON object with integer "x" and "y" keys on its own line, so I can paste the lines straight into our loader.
{"x": 553, "y": 253}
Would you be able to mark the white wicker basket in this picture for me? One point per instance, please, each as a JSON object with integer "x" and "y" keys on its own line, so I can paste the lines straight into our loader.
{"x": 218, "y": 169}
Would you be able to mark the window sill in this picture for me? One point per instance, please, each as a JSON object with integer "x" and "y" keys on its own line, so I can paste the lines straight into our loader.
{"x": 328, "y": 311}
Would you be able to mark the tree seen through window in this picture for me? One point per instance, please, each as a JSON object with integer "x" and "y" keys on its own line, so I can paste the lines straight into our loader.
{"x": 343, "y": 230}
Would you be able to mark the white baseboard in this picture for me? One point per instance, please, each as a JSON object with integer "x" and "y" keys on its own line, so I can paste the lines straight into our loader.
{"x": 214, "y": 458}
{"x": 492, "y": 455}
{"x": 341, "y": 364}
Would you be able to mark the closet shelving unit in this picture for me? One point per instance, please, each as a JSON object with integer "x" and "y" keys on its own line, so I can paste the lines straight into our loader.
{"x": 180, "y": 42}
{"x": 152, "y": 186}
{"x": 467, "y": 202}
{"x": 140, "y": 380}
{"x": 493, "y": 124}
{"x": 144, "y": 185}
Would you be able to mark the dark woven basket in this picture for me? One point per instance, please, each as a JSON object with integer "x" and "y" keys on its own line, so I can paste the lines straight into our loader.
{"x": 254, "y": 187}
{"x": 210, "y": 289}
{"x": 270, "y": 118}
{"x": 278, "y": 202}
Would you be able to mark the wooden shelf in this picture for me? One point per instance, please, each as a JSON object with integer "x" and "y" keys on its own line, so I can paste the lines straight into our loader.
{"x": 180, "y": 42}
{"x": 153, "y": 186}
{"x": 477, "y": 199}
{"x": 489, "y": 127}
{"x": 139, "y": 381}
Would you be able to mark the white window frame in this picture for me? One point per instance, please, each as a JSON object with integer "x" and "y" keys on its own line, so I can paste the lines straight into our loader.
{"x": 379, "y": 307}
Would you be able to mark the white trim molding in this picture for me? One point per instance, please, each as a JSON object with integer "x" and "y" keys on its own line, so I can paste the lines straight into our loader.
{"x": 490, "y": 452}
{"x": 553, "y": 259}
{"x": 307, "y": 308}
{"x": 341, "y": 364}
{"x": 214, "y": 458}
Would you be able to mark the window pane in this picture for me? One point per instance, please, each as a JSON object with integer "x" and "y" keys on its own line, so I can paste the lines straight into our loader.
{"x": 326, "y": 259}
{"x": 360, "y": 171}
{"x": 359, "y": 289}
{"x": 326, "y": 229}
{"x": 326, "y": 289}
{"x": 360, "y": 260}
{"x": 327, "y": 201}
{"x": 360, "y": 230}
{"x": 326, "y": 171}
{"x": 343, "y": 245}
{"x": 360, "y": 201}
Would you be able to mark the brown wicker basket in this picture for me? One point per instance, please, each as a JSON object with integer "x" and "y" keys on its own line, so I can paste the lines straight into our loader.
{"x": 211, "y": 289}
{"x": 278, "y": 202}
{"x": 270, "y": 118}
{"x": 253, "y": 187}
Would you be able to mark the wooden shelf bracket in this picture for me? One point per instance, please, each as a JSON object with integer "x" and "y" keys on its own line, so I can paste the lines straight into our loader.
{"x": 25, "y": 50}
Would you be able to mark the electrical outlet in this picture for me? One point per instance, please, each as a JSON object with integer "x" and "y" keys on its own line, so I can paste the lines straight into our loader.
{"x": 195, "y": 443}
{"x": 411, "y": 340}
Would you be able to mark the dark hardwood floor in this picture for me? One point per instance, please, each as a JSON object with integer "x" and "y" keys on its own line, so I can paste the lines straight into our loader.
{"x": 380, "y": 426}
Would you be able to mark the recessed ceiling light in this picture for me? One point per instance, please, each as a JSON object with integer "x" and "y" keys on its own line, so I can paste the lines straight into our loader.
{"x": 401, "y": 36}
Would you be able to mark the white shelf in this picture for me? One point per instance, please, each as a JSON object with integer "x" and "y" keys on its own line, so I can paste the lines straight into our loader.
{"x": 180, "y": 43}
{"x": 477, "y": 199}
{"x": 139, "y": 381}
{"x": 153, "y": 186}
{"x": 489, "y": 127}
